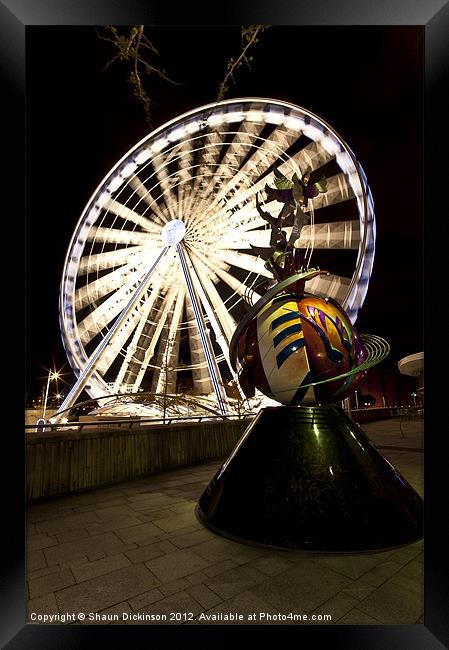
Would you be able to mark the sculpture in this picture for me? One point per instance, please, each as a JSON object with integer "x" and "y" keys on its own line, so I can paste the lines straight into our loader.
{"x": 304, "y": 475}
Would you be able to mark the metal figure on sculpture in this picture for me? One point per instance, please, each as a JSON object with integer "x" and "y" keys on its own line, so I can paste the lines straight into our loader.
{"x": 299, "y": 347}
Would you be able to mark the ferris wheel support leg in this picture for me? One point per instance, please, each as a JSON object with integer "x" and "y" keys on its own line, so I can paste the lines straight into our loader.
{"x": 208, "y": 352}
{"x": 215, "y": 323}
{"x": 96, "y": 355}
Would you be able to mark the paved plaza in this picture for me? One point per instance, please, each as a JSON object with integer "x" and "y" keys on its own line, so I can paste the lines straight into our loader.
{"x": 117, "y": 553}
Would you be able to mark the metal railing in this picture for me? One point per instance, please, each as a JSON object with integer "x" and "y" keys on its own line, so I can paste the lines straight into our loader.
{"x": 128, "y": 423}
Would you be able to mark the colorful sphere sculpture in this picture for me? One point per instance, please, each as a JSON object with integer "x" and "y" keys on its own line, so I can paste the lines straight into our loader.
{"x": 300, "y": 348}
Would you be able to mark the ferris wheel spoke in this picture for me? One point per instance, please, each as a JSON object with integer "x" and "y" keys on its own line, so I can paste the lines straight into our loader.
{"x": 166, "y": 307}
{"x": 89, "y": 368}
{"x": 129, "y": 365}
{"x": 259, "y": 185}
{"x": 109, "y": 259}
{"x": 193, "y": 288}
{"x": 261, "y": 157}
{"x": 197, "y": 169}
{"x": 104, "y": 235}
{"x": 185, "y": 163}
{"x": 215, "y": 265}
{"x": 245, "y": 196}
{"x": 164, "y": 379}
{"x": 227, "y": 322}
{"x": 242, "y": 220}
{"x": 141, "y": 190}
{"x": 338, "y": 190}
{"x": 242, "y": 240}
{"x": 247, "y": 263}
{"x": 138, "y": 343}
{"x": 339, "y": 235}
{"x": 334, "y": 286}
{"x": 102, "y": 315}
{"x": 166, "y": 183}
{"x": 122, "y": 334}
{"x": 234, "y": 154}
{"x": 120, "y": 210}
{"x": 102, "y": 286}
{"x": 248, "y": 218}
{"x": 202, "y": 383}
{"x": 312, "y": 155}
{"x": 208, "y": 301}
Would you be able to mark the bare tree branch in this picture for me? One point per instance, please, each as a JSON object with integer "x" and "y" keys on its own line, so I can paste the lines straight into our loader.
{"x": 134, "y": 47}
{"x": 249, "y": 35}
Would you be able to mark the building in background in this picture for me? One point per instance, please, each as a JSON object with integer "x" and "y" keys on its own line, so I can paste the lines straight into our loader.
{"x": 384, "y": 385}
{"x": 413, "y": 366}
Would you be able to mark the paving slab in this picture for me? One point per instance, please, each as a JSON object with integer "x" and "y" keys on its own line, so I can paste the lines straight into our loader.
{"x": 107, "y": 590}
{"x": 145, "y": 599}
{"x": 67, "y": 522}
{"x": 232, "y": 582}
{"x": 392, "y": 603}
{"x": 176, "y": 565}
{"x": 35, "y": 560}
{"x": 352, "y": 566}
{"x": 175, "y": 610}
{"x": 336, "y": 607}
{"x": 297, "y": 589}
{"x": 108, "y": 542}
{"x": 100, "y": 567}
{"x": 356, "y": 617}
{"x": 45, "y": 605}
{"x": 50, "y": 583}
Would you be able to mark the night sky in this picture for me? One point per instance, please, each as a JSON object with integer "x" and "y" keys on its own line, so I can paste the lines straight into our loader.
{"x": 366, "y": 82}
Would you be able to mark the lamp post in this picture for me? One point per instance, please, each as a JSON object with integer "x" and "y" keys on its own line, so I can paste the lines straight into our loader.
{"x": 51, "y": 375}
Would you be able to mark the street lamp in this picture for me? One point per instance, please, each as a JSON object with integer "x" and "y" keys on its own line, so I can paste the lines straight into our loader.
{"x": 51, "y": 375}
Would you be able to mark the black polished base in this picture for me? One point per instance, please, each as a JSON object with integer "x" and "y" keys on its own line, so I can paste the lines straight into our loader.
{"x": 309, "y": 478}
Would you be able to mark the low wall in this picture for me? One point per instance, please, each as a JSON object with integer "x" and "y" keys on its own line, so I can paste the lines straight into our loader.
{"x": 62, "y": 462}
{"x": 372, "y": 414}
{"x": 33, "y": 415}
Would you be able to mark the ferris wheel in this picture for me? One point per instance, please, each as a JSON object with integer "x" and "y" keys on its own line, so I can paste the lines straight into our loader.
{"x": 161, "y": 267}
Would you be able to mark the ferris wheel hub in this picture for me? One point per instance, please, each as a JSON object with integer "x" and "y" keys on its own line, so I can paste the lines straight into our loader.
{"x": 173, "y": 232}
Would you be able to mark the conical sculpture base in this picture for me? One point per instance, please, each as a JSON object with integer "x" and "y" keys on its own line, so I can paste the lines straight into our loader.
{"x": 309, "y": 478}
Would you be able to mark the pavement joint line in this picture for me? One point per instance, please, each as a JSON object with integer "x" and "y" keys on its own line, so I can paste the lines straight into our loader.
{"x": 416, "y": 449}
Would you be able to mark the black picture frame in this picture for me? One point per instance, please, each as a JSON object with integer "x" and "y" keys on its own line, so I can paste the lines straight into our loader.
{"x": 15, "y": 16}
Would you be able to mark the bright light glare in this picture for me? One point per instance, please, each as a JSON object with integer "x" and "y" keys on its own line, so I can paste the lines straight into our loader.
{"x": 143, "y": 156}
{"x": 103, "y": 198}
{"x": 129, "y": 169}
{"x": 293, "y": 123}
{"x": 177, "y": 134}
{"x": 115, "y": 184}
{"x": 255, "y": 116}
{"x": 213, "y": 120}
{"x": 234, "y": 116}
{"x": 158, "y": 145}
{"x": 274, "y": 117}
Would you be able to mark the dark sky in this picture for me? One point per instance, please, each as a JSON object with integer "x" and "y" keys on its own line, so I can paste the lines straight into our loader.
{"x": 366, "y": 82}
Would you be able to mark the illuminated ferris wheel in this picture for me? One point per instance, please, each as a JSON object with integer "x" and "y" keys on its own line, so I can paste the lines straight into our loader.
{"x": 161, "y": 265}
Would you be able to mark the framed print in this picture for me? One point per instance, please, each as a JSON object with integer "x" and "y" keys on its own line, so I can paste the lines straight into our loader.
{"x": 81, "y": 110}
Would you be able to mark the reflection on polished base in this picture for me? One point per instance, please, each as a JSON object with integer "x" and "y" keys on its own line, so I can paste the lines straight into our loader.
{"x": 309, "y": 478}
